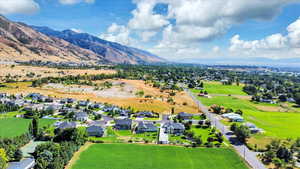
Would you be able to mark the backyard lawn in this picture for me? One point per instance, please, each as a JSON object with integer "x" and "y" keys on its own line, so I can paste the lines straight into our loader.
{"x": 11, "y": 127}
{"x": 133, "y": 156}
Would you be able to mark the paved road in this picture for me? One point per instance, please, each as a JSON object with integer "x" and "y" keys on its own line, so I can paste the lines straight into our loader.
{"x": 248, "y": 155}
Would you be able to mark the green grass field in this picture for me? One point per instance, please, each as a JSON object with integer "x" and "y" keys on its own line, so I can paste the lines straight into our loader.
{"x": 11, "y": 127}
{"x": 275, "y": 124}
{"x": 218, "y": 88}
{"x": 133, "y": 156}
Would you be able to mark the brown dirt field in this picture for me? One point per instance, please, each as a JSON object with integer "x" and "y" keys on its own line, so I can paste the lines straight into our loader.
{"x": 270, "y": 108}
{"x": 77, "y": 154}
{"x": 156, "y": 103}
{"x": 20, "y": 72}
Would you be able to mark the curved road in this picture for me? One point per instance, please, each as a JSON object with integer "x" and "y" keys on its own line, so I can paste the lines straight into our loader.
{"x": 249, "y": 156}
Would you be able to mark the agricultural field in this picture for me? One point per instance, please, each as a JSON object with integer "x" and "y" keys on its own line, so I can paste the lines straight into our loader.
{"x": 277, "y": 120}
{"x": 122, "y": 93}
{"x": 11, "y": 127}
{"x": 218, "y": 88}
{"x": 133, "y": 156}
{"x": 18, "y": 72}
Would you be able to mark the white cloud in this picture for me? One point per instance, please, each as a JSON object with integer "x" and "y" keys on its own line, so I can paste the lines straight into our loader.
{"x": 118, "y": 33}
{"x": 275, "y": 46}
{"x": 71, "y": 2}
{"x": 18, "y": 7}
{"x": 144, "y": 18}
{"x": 147, "y": 35}
{"x": 76, "y": 30}
{"x": 216, "y": 49}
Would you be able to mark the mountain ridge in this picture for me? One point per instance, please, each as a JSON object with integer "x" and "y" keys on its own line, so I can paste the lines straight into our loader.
{"x": 21, "y": 42}
{"x": 112, "y": 51}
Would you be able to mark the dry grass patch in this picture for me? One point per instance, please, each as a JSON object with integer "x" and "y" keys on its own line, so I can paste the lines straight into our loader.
{"x": 23, "y": 72}
{"x": 157, "y": 103}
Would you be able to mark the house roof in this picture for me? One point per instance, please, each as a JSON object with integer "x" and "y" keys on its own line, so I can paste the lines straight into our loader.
{"x": 25, "y": 163}
{"x": 66, "y": 125}
{"x": 123, "y": 121}
{"x": 148, "y": 126}
{"x": 94, "y": 129}
{"x": 184, "y": 114}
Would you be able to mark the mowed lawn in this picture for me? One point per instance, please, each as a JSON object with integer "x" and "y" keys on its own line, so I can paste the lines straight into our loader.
{"x": 218, "y": 88}
{"x": 11, "y": 127}
{"x": 133, "y": 156}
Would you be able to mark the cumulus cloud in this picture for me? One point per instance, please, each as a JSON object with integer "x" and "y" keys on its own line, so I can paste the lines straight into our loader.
{"x": 118, "y": 33}
{"x": 275, "y": 46}
{"x": 144, "y": 18}
{"x": 18, "y": 7}
{"x": 71, "y": 2}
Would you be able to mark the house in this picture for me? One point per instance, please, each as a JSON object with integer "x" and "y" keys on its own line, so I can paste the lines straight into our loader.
{"x": 96, "y": 131}
{"x": 233, "y": 117}
{"x": 143, "y": 127}
{"x": 83, "y": 103}
{"x": 3, "y": 95}
{"x": 70, "y": 100}
{"x": 81, "y": 116}
{"x": 66, "y": 125}
{"x": 253, "y": 129}
{"x": 184, "y": 116}
{"x": 144, "y": 114}
{"x": 26, "y": 163}
{"x": 174, "y": 128}
{"x": 123, "y": 124}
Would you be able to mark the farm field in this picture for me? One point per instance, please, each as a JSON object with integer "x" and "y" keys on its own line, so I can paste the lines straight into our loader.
{"x": 218, "y": 88}
{"x": 279, "y": 121}
{"x": 157, "y": 103}
{"x": 133, "y": 156}
{"x": 11, "y": 127}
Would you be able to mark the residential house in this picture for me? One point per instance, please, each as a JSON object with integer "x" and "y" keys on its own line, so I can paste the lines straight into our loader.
{"x": 26, "y": 163}
{"x": 143, "y": 127}
{"x": 174, "y": 128}
{"x": 123, "y": 124}
{"x": 233, "y": 117}
{"x": 66, "y": 125}
{"x": 81, "y": 116}
{"x": 96, "y": 131}
{"x": 145, "y": 114}
{"x": 184, "y": 116}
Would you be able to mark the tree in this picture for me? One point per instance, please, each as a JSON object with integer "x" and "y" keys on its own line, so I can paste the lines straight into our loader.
{"x": 297, "y": 98}
{"x": 242, "y": 133}
{"x": 18, "y": 155}
{"x": 35, "y": 127}
{"x": 277, "y": 162}
{"x": 198, "y": 140}
{"x": 3, "y": 159}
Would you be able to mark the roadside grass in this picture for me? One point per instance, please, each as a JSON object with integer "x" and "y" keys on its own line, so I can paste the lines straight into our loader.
{"x": 11, "y": 127}
{"x": 219, "y": 88}
{"x": 133, "y": 156}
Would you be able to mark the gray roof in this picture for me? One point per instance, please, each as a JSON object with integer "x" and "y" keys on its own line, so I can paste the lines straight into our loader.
{"x": 176, "y": 126}
{"x": 184, "y": 114}
{"x": 148, "y": 126}
{"x": 123, "y": 121}
{"x": 92, "y": 129}
{"x": 25, "y": 163}
{"x": 66, "y": 125}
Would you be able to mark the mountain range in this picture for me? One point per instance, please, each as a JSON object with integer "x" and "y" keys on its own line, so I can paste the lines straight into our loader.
{"x": 21, "y": 42}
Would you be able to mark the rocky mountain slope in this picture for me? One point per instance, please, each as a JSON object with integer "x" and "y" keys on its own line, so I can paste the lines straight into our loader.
{"x": 111, "y": 51}
{"x": 20, "y": 42}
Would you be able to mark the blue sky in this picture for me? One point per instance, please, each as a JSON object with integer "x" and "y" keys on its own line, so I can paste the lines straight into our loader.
{"x": 178, "y": 30}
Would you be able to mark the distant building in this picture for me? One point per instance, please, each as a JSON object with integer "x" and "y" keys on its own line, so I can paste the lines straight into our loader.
{"x": 143, "y": 127}
{"x": 96, "y": 131}
{"x": 81, "y": 116}
{"x": 26, "y": 163}
{"x": 66, "y": 125}
{"x": 174, "y": 128}
{"x": 123, "y": 124}
{"x": 184, "y": 116}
